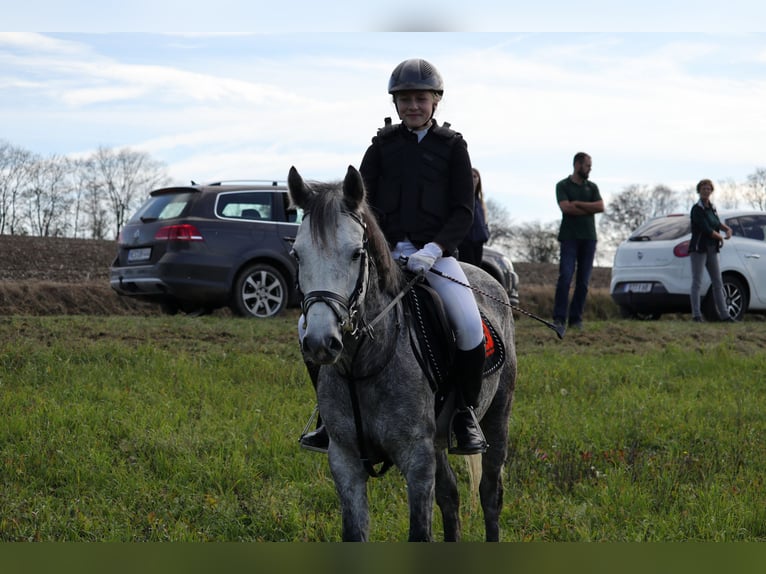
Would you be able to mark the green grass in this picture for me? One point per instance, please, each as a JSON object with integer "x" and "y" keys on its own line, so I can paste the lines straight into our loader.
{"x": 183, "y": 429}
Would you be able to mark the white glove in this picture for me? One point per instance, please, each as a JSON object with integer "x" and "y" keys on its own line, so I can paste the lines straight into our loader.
{"x": 422, "y": 260}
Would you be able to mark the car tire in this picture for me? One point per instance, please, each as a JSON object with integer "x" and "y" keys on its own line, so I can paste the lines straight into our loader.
{"x": 259, "y": 291}
{"x": 736, "y": 296}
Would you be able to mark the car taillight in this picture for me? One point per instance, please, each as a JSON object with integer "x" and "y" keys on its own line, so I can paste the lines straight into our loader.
{"x": 184, "y": 232}
{"x": 682, "y": 249}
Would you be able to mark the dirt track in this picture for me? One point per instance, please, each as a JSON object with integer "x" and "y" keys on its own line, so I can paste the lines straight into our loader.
{"x": 60, "y": 276}
{"x": 64, "y": 276}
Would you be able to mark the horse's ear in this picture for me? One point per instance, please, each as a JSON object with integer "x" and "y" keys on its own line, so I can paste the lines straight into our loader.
{"x": 296, "y": 187}
{"x": 353, "y": 187}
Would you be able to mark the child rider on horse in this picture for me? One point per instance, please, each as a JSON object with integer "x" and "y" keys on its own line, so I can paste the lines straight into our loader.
{"x": 419, "y": 184}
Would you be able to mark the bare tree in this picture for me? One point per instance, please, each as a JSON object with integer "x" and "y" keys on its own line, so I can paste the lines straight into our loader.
{"x": 120, "y": 180}
{"x": 756, "y": 189}
{"x": 79, "y": 178}
{"x": 46, "y": 197}
{"x": 533, "y": 242}
{"x": 92, "y": 203}
{"x": 662, "y": 200}
{"x": 632, "y": 206}
{"x": 537, "y": 242}
{"x": 728, "y": 194}
{"x": 499, "y": 222}
{"x": 15, "y": 164}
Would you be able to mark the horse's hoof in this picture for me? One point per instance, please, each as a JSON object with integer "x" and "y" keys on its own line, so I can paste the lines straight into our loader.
{"x": 318, "y": 440}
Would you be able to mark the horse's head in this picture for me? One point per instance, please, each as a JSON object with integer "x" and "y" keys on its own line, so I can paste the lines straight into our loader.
{"x": 333, "y": 265}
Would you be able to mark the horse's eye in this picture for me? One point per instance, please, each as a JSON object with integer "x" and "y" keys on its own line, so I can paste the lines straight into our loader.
{"x": 357, "y": 254}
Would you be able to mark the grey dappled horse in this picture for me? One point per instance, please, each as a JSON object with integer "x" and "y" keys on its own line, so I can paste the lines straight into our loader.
{"x": 349, "y": 279}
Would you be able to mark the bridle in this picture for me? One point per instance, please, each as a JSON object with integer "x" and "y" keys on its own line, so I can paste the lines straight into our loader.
{"x": 346, "y": 309}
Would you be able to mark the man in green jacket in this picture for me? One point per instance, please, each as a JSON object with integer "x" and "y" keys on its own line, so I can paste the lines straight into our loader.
{"x": 579, "y": 201}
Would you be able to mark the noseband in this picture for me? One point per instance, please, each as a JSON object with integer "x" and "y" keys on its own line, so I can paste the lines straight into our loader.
{"x": 346, "y": 309}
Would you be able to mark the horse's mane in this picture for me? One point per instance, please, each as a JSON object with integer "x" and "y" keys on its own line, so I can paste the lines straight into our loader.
{"x": 326, "y": 205}
{"x": 389, "y": 272}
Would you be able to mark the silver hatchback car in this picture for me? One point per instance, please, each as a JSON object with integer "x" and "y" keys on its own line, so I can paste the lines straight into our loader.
{"x": 651, "y": 273}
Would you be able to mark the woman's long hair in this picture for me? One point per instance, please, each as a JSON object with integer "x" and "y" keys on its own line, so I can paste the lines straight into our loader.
{"x": 480, "y": 193}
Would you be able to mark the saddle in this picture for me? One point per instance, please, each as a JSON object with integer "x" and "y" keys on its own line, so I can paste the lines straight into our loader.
{"x": 433, "y": 341}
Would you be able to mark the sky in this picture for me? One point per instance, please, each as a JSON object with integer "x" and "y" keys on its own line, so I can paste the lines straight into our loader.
{"x": 666, "y": 93}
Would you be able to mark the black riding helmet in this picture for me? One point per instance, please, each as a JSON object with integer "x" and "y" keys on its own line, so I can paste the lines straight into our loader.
{"x": 415, "y": 74}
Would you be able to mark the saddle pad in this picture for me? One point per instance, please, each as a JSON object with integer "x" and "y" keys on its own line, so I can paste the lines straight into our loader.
{"x": 431, "y": 337}
{"x": 435, "y": 336}
{"x": 494, "y": 354}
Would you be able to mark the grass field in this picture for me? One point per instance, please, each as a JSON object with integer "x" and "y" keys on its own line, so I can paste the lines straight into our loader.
{"x": 185, "y": 429}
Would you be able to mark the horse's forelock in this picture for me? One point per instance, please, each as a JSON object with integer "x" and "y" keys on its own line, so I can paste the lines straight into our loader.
{"x": 324, "y": 208}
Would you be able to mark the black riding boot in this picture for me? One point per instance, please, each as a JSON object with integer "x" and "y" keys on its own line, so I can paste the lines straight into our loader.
{"x": 469, "y": 366}
{"x": 317, "y": 440}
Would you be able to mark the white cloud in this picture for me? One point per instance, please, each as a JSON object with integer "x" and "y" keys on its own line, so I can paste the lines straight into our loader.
{"x": 37, "y": 43}
{"x": 650, "y": 109}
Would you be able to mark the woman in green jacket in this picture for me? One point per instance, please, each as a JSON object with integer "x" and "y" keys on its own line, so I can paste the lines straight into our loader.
{"x": 708, "y": 235}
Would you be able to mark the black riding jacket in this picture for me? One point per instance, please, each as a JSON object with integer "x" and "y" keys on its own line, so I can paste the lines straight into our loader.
{"x": 420, "y": 191}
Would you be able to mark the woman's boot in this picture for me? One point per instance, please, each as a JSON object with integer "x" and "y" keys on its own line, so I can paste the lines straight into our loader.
{"x": 468, "y": 374}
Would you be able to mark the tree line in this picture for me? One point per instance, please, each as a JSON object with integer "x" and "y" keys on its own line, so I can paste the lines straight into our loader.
{"x": 536, "y": 242}
{"x": 92, "y": 198}
{"x": 59, "y": 196}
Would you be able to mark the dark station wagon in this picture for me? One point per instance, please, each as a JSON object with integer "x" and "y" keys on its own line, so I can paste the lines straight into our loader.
{"x": 201, "y": 247}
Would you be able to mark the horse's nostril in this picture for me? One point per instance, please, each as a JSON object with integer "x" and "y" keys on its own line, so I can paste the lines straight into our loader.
{"x": 322, "y": 350}
{"x": 335, "y": 345}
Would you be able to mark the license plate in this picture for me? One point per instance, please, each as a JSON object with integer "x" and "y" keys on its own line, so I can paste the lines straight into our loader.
{"x": 142, "y": 254}
{"x": 638, "y": 287}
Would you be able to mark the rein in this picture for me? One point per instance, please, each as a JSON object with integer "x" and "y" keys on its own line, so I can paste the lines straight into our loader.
{"x": 368, "y": 328}
{"x": 559, "y": 329}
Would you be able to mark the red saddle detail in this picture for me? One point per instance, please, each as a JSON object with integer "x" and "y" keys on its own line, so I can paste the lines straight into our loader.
{"x": 489, "y": 348}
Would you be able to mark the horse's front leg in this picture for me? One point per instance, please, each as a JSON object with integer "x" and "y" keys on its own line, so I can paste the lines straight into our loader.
{"x": 419, "y": 472}
{"x": 351, "y": 485}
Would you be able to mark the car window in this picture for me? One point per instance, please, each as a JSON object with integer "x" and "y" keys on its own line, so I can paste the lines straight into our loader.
{"x": 294, "y": 213}
{"x": 160, "y": 207}
{"x": 662, "y": 228}
{"x": 748, "y": 226}
{"x": 252, "y": 205}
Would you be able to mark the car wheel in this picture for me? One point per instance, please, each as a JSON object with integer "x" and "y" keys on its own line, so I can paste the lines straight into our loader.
{"x": 736, "y": 300}
{"x": 259, "y": 291}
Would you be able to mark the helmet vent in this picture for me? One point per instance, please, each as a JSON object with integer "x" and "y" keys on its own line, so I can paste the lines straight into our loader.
{"x": 426, "y": 69}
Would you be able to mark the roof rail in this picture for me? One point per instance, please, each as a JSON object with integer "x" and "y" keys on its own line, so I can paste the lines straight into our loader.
{"x": 272, "y": 182}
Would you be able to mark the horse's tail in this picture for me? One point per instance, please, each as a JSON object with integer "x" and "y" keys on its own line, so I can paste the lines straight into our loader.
{"x": 473, "y": 464}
